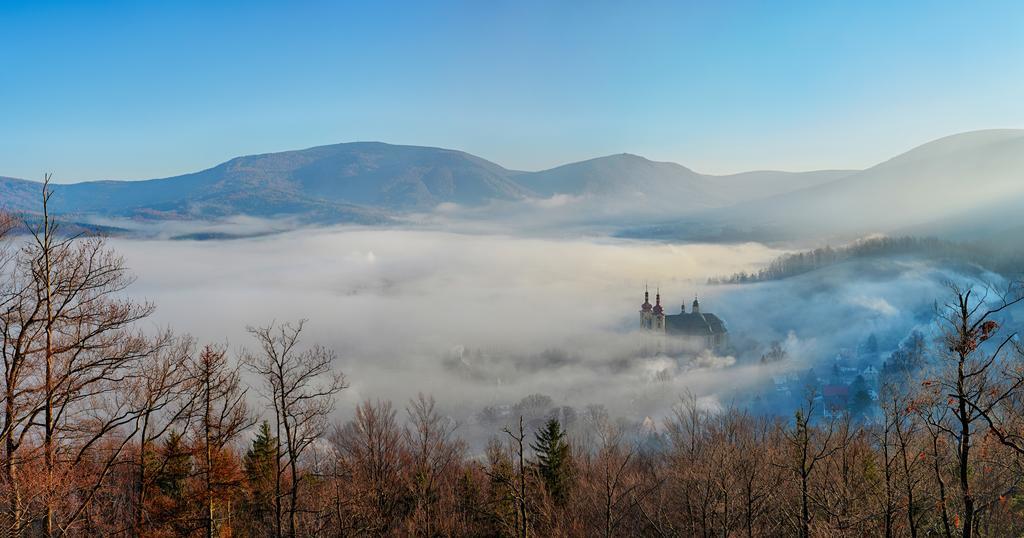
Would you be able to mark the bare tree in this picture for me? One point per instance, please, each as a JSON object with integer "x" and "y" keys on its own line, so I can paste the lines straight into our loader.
{"x": 517, "y": 482}
{"x": 163, "y": 392}
{"x": 807, "y": 447}
{"x": 433, "y": 450}
{"x": 610, "y": 482}
{"x": 222, "y": 415}
{"x": 69, "y": 348}
{"x": 20, "y": 331}
{"x": 371, "y": 457}
{"x": 300, "y": 387}
{"x": 977, "y": 380}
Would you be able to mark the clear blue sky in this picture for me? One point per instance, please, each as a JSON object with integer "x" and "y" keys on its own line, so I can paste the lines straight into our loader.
{"x": 105, "y": 90}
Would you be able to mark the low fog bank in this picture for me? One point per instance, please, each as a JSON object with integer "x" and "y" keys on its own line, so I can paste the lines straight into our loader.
{"x": 481, "y": 321}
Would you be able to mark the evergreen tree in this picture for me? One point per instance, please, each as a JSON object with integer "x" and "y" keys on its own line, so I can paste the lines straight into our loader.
{"x": 171, "y": 510}
{"x": 260, "y": 465}
{"x": 861, "y": 399}
{"x": 175, "y": 468}
{"x": 871, "y": 346}
{"x": 553, "y": 459}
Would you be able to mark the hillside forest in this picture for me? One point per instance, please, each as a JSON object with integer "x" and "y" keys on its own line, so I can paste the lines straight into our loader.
{"x": 109, "y": 428}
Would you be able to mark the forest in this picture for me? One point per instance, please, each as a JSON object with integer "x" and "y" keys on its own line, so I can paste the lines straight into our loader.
{"x": 981, "y": 254}
{"x": 110, "y": 430}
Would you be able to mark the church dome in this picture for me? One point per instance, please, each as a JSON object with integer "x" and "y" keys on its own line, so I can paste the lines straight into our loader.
{"x": 646, "y": 307}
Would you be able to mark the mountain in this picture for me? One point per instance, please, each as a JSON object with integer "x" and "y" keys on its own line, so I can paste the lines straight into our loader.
{"x": 366, "y": 182}
{"x": 622, "y": 174}
{"x": 666, "y": 182}
{"x": 760, "y": 184}
{"x": 967, "y": 183}
{"x": 949, "y": 176}
{"x": 967, "y": 179}
{"x": 18, "y": 194}
{"x": 353, "y": 182}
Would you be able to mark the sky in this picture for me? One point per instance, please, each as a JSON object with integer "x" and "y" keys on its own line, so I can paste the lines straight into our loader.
{"x": 134, "y": 90}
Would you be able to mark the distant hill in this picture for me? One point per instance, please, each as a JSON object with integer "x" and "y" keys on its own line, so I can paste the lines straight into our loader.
{"x": 950, "y": 175}
{"x": 968, "y": 180}
{"x": 666, "y": 182}
{"x": 968, "y": 256}
{"x": 623, "y": 174}
{"x": 343, "y": 182}
{"x": 366, "y": 182}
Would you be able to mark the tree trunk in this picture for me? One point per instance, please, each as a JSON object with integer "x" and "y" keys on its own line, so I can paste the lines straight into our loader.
{"x": 942, "y": 488}
{"x": 965, "y": 452}
{"x": 49, "y": 429}
{"x": 140, "y": 509}
{"x": 14, "y": 498}
{"x": 11, "y": 468}
{"x": 293, "y": 494}
{"x": 209, "y": 460}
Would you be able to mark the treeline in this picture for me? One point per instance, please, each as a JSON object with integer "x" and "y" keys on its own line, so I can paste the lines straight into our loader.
{"x": 108, "y": 431}
{"x": 991, "y": 257}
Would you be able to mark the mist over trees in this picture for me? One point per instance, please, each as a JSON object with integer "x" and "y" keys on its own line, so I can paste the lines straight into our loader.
{"x": 111, "y": 430}
{"x": 993, "y": 257}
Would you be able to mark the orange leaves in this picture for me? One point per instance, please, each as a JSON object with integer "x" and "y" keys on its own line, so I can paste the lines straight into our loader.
{"x": 988, "y": 329}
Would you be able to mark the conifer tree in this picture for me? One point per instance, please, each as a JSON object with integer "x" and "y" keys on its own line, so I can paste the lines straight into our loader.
{"x": 171, "y": 510}
{"x": 553, "y": 459}
{"x": 260, "y": 464}
{"x": 175, "y": 467}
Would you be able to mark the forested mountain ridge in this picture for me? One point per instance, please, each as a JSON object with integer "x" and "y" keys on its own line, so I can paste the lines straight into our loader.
{"x": 982, "y": 255}
{"x": 364, "y": 181}
{"x": 966, "y": 178}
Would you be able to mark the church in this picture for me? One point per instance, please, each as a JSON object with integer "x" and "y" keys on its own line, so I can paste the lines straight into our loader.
{"x": 703, "y": 328}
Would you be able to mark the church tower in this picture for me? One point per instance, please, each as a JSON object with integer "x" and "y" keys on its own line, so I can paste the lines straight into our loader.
{"x": 659, "y": 314}
{"x": 646, "y": 312}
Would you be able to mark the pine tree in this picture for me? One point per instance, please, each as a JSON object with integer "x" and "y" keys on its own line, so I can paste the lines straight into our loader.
{"x": 260, "y": 464}
{"x": 171, "y": 510}
{"x": 553, "y": 459}
{"x": 175, "y": 468}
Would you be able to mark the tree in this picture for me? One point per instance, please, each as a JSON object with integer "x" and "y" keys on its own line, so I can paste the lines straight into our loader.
{"x": 861, "y": 401}
{"x": 609, "y": 484}
{"x": 173, "y": 469}
{"x": 871, "y": 345}
{"x": 223, "y": 415}
{"x": 161, "y": 391}
{"x": 370, "y": 454}
{"x": 554, "y": 460}
{"x": 260, "y": 466}
{"x": 300, "y": 386}
{"x": 976, "y": 382}
{"x": 433, "y": 450}
{"x": 69, "y": 350}
{"x": 807, "y": 447}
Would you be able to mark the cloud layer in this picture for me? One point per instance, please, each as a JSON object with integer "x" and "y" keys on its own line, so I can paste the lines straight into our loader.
{"x": 486, "y": 319}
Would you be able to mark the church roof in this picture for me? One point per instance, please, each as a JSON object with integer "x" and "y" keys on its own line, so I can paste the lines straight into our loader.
{"x": 689, "y": 324}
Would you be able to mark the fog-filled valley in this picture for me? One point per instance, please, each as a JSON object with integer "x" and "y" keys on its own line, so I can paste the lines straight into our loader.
{"x": 365, "y": 339}
{"x": 486, "y": 320}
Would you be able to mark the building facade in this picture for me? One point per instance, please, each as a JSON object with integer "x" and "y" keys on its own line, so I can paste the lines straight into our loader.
{"x": 703, "y": 329}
